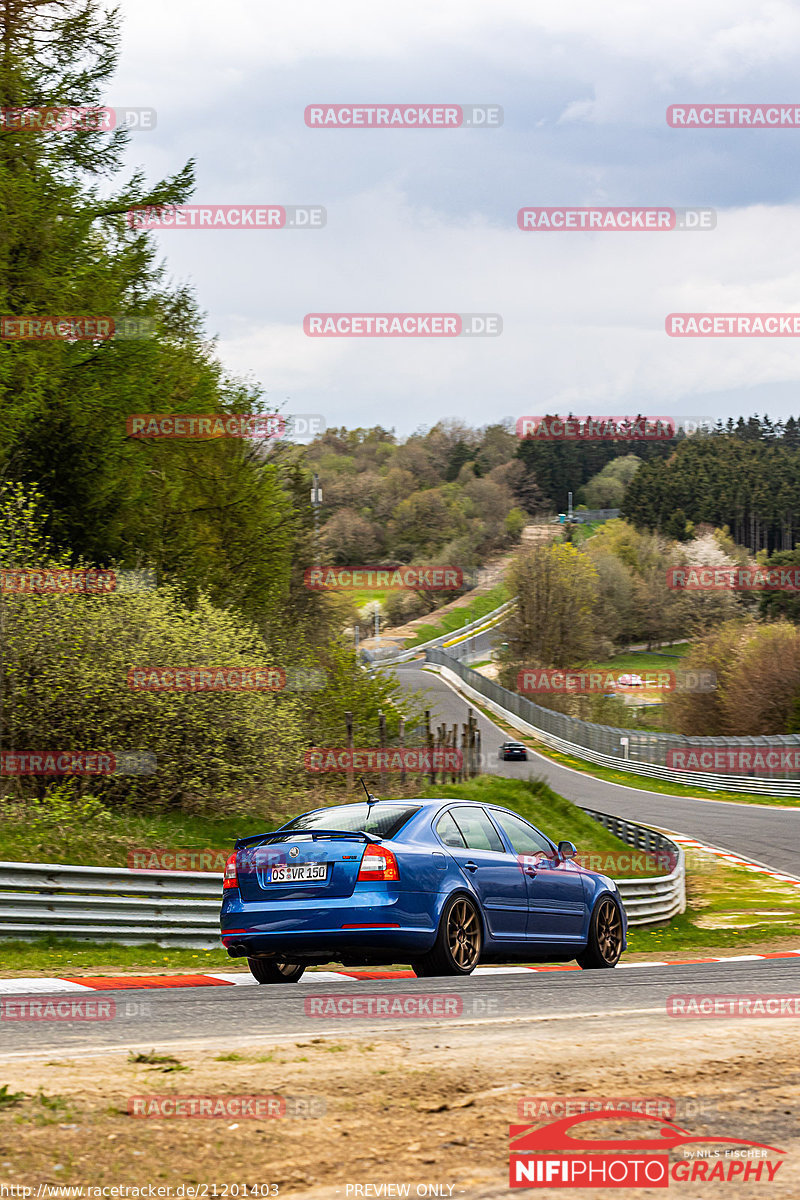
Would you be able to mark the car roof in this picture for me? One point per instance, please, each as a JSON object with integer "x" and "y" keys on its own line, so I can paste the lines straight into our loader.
{"x": 422, "y": 801}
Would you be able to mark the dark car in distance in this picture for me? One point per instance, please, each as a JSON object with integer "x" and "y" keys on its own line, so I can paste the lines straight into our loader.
{"x": 513, "y": 751}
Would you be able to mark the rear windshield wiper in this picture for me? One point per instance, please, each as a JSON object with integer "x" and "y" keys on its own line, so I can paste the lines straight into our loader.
{"x": 283, "y": 835}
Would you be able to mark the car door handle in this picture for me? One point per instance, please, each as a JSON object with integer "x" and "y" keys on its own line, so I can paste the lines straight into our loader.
{"x": 471, "y": 866}
{"x": 530, "y": 871}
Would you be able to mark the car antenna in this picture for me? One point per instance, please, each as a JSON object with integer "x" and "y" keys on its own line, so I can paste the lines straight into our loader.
{"x": 370, "y": 798}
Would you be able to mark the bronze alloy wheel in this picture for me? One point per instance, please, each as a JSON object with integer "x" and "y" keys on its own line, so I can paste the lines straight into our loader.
{"x": 609, "y": 930}
{"x": 464, "y": 934}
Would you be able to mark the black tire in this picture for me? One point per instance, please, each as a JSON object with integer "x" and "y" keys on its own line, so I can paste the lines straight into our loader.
{"x": 604, "y": 947}
{"x": 459, "y": 941}
{"x": 275, "y": 970}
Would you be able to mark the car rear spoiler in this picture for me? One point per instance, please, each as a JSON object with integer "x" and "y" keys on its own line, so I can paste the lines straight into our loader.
{"x": 286, "y": 835}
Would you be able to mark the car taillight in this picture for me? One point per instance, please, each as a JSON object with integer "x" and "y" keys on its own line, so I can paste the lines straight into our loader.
{"x": 378, "y": 863}
{"x": 229, "y": 879}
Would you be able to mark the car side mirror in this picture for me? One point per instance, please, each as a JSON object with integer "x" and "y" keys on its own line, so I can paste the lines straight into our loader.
{"x": 567, "y": 849}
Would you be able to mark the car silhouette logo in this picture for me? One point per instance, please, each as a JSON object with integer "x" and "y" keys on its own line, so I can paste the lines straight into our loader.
{"x": 556, "y": 1136}
{"x": 295, "y": 850}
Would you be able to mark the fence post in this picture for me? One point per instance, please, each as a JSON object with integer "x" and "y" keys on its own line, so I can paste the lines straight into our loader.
{"x": 401, "y": 734}
{"x": 348, "y": 718}
{"x": 382, "y": 744}
{"x": 464, "y": 751}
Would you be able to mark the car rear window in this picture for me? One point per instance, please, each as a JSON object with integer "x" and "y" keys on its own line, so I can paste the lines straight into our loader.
{"x": 383, "y": 820}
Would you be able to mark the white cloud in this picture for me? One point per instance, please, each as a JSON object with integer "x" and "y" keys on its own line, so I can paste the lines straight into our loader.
{"x": 426, "y": 221}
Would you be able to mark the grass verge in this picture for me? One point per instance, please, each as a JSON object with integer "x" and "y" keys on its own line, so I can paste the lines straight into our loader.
{"x": 727, "y": 906}
{"x": 106, "y": 841}
{"x": 71, "y": 956}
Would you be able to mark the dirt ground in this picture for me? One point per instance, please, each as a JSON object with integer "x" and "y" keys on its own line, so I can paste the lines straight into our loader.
{"x": 428, "y": 1107}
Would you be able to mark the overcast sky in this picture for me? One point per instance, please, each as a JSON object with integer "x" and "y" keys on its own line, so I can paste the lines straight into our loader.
{"x": 425, "y": 221}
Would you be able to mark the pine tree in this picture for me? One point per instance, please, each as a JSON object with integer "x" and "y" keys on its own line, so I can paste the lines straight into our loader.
{"x": 212, "y": 513}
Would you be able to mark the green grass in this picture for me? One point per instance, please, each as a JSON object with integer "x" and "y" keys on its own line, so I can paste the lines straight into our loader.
{"x": 454, "y": 620}
{"x": 106, "y": 841}
{"x": 363, "y": 596}
{"x": 65, "y": 956}
{"x": 644, "y": 660}
{"x": 10, "y": 1099}
{"x": 581, "y": 532}
{"x": 728, "y": 906}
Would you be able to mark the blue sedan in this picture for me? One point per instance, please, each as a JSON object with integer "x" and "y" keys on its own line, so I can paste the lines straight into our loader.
{"x": 444, "y": 884}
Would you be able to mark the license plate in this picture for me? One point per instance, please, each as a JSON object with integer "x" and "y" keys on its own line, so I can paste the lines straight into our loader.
{"x": 295, "y": 872}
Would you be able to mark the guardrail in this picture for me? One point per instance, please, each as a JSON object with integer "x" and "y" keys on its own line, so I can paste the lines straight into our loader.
{"x": 609, "y": 746}
{"x": 656, "y": 898}
{"x": 445, "y": 639}
{"x": 110, "y": 904}
{"x": 181, "y": 908}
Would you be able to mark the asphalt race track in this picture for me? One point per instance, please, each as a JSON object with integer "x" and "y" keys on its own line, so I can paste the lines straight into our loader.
{"x": 225, "y": 1016}
{"x": 761, "y": 833}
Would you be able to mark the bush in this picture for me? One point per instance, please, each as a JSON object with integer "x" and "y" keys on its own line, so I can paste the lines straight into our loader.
{"x": 65, "y": 685}
{"x": 758, "y": 680}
